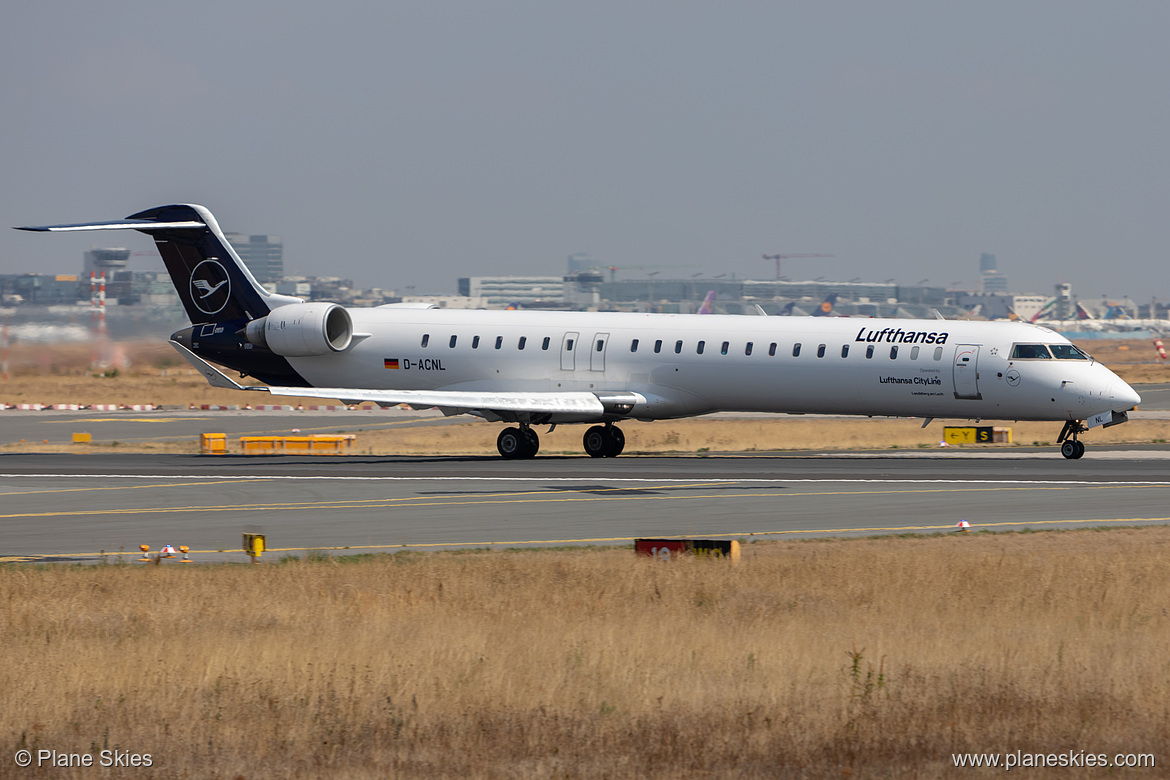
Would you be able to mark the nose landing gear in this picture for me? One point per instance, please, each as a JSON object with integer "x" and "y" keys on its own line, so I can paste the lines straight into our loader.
{"x": 1070, "y": 446}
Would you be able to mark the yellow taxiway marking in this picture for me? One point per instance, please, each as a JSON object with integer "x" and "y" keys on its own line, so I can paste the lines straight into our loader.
{"x": 600, "y": 539}
{"x": 119, "y": 487}
{"x": 118, "y": 419}
{"x": 374, "y": 503}
{"x": 526, "y": 497}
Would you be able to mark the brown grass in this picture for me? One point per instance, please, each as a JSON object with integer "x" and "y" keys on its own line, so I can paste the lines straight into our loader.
{"x": 867, "y": 658}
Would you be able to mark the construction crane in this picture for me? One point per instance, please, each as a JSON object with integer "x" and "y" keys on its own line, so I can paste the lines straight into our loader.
{"x": 613, "y": 269}
{"x": 778, "y": 258}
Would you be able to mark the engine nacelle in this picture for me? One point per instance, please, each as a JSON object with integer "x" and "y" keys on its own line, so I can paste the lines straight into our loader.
{"x": 303, "y": 329}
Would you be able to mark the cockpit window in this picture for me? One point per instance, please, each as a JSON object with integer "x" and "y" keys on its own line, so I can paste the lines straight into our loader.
{"x": 1030, "y": 352}
{"x": 1067, "y": 352}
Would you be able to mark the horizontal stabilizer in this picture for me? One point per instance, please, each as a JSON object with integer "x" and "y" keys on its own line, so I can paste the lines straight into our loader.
{"x": 119, "y": 224}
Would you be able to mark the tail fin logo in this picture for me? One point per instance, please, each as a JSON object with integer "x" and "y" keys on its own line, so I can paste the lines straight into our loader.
{"x": 211, "y": 287}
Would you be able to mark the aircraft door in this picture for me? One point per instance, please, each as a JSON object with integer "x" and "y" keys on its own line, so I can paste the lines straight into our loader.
{"x": 569, "y": 351}
{"x": 967, "y": 371}
{"x": 597, "y": 351}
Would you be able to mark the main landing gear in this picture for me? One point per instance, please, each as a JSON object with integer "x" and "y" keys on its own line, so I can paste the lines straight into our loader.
{"x": 604, "y": 441}
{"x": 601, "y": 441}
{"x": 518, "y": 443}
{"x": 1070, "y": 446}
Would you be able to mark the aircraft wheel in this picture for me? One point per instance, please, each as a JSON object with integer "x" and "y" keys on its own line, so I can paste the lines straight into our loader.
{"x": 596, "y": 442}
{"x": 1080, "y": 448}
{"x": 512, "y": 443}
{"x": 1072, "y": 449}
{"x": 532, "y": 441}
{"x": 617, "y": 442}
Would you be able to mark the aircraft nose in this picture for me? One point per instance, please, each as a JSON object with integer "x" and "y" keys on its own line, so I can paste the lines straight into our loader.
{"x": 1122, "y": 396}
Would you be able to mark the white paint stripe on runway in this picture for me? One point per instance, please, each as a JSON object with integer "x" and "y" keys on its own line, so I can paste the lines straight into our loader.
{"x": 598, "y": 478}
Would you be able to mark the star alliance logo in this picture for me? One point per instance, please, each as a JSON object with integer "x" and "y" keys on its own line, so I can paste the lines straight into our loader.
{"x": 211, "y": 287}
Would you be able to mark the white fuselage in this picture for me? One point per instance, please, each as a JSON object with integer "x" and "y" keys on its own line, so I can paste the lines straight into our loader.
{"x": 919, "y": 368}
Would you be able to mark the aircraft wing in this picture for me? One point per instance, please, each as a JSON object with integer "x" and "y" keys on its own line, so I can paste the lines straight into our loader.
{"x": 456, "y": 400}
{"x": 451, "y": 401}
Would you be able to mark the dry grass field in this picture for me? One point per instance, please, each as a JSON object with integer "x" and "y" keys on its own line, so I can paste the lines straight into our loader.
{"x": 864, "y": 658}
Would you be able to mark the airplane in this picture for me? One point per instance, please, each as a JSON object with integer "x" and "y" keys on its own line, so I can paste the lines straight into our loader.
{"x": 708, "y": 302}
{"x": 528, "y": 368}
{"x": 825, "y": 309}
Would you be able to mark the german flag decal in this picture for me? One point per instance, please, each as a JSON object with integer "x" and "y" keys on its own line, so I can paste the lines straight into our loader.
{"x": 390, "y": 362}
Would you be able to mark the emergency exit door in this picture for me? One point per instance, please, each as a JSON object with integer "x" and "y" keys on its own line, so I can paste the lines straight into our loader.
{"x": 597, "y": 351}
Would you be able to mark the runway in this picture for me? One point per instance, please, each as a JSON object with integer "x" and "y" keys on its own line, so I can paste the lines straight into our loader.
{"x": 72, "y": 507}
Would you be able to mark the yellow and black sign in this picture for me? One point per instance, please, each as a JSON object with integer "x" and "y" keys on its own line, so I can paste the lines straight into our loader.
{"x": 977, "y": 434}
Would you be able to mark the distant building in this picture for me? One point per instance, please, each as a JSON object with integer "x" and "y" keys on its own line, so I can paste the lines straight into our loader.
{"x": 994, "y": 283}
{"x": 500, "y": 291}
{"x": 991, "y": 282}
{"x": 107, "y": 261}
{"x": 1028, "y": 306}
{"x": 582, "y": 262}
{"x": 582, "y": 289}
{"x": 264, "y": 255}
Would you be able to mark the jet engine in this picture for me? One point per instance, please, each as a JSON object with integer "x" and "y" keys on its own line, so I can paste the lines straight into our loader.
{"x": 302, "y": 329}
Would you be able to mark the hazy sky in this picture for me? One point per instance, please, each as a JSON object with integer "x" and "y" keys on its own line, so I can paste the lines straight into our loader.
{"x": 409, "y": 143}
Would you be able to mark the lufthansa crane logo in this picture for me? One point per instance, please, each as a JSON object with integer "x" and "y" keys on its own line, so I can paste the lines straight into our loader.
{"x": 210, "y": 287}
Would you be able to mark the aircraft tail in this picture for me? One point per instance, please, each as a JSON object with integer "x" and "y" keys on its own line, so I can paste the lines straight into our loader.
{"x": 826, "y": 307}
{"x": 705, "y": 307}
{"x": 211, "y": 280}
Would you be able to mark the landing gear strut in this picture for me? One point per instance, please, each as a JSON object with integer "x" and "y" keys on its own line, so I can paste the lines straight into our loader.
{"x": 1070, "y": 446}
{"x": 518, "y": 443}
{"x": 604, "y": 441}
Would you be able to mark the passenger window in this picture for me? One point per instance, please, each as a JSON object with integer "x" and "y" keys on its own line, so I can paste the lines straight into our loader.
{"x": 475, "y": 342}
{"x": 844, "y": 350}
{"x": 568, "y": 345}
{"x": 634, "y": 345}
{"x": 796, "y": 350}
{"x": 723, "y": 349}
{"x": 938, "y": 353}
{"x": 772, "y": 349}
{"x": 499, "y": 341}
{"x": 869, "y": 352}
{"x": 426, "y": 338}
{"x": 544, "y": 344}
{"x": 913, "y": 353}
{"x": 1030, "y": 352}
{"x": 523, "y": 341}
{"x": 820, "y": 350}
{"x": 601, "y": 345}
{"x": 453, "y": 338}
{"x": 748, "y": 349}
{"x": 1067, "y": 352}
{"x": 893, "y": 353}
{"x": 677, "y": 347}
{"x": 657, "y": 346}
{"x": 699, "y": 347}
